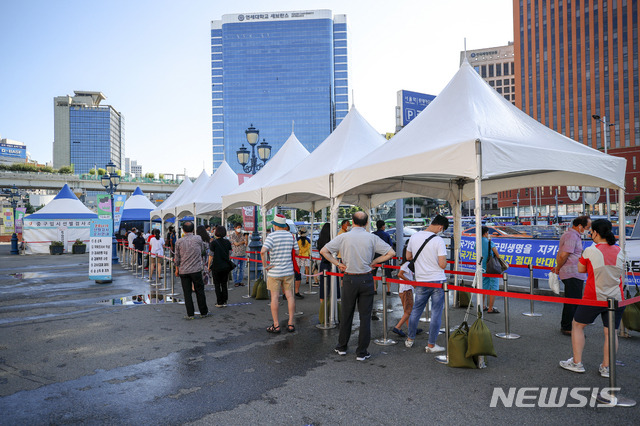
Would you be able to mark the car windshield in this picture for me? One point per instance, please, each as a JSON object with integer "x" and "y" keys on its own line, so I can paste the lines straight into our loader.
{"x": 509, "y": 230}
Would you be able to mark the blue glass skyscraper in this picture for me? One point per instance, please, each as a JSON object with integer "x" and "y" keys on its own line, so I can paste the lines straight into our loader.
{"x": 274, "y": 69}
{"x": 86, "y": 134}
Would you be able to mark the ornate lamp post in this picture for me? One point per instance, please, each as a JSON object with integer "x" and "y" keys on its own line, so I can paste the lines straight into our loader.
{"x": 251, "y": 163}
{"x": 110, "y": 181}
{"x": 14, "y": 198}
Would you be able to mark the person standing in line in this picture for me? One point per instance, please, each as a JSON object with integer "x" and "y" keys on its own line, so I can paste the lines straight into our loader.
{"x": 429, "y": 267}
{"x": 138, "y": 244}
{"x": 132, "y": 236}
{"x": 358, "y": 248}
{"x": 323, "y": 238}
{"x": 569, "y": 252}
{"x": 489, "y": 283}
{"x": 604, "y": 264}
{"x": 201, "y": 230}
{"x": 279, "y": 246}
{"x": 384, "y": 235}
{"x": 344, "y": 227}
{"x": 219, "y": 264}
{"x": 156, "y": 248}
{"x": 189, "y": 266}
{"x": 239, "y": 249}
{"x": 304, "y": 250}
{"x": 406, "y": 296}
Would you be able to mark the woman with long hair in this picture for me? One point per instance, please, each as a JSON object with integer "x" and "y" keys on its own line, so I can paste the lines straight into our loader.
{"x": 219, "y": 263}
{"x": 604, "y": 264}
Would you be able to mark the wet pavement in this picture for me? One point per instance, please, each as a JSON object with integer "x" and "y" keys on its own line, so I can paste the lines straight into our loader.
{"x": 73, "y": 351}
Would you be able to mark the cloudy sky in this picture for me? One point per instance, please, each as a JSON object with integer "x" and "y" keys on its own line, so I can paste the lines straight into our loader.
{"x": 151, "y": 59}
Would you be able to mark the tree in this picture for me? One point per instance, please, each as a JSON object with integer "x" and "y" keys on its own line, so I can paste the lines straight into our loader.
{"x": 92, "y": 172}
{"x": 234, "y": 218}
{"x": 633, "y": 206}
{"x": 161, "y": 176}
{"x": 65, "y": 170}
{"x": 150, "y": 175}
{"x": 101, "y": 171}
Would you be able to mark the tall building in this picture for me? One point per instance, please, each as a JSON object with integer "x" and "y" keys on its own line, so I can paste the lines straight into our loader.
{"x": 272, "y": 69}
{"x": 576, "y": 59}
{"x": 86, "y": 134}
{"x": 495, "y": 66}
{"x": 12, "y": 152}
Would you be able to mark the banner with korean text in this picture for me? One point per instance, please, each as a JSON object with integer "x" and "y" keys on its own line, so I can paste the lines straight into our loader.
{"x": 100, "y": 235}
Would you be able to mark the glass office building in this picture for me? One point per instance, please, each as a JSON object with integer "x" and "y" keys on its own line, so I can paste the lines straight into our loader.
{"x": 86, "y": 134}
{"x": 272, "y": 70}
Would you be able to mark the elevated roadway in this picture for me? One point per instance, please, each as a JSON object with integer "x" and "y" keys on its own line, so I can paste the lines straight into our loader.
{"x": 25, "y": 180}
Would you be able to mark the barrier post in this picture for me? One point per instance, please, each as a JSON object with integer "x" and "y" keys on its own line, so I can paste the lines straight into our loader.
{"x": 155, "y": 268}
{"x": 135, "y": 266}
{"x": 531, "y": 312}
{"x": 173, "y": 278}
{"x": 507, "y": 333}
{"x": 384, "y": 341}
{"x": 164, "y": 274}
{"x": 613, "y": 398}
{"x": 326, "y": 325}
{"x": 248, "y": 295}
{"x": 444, "y": 359}
{"x": 310, "y": 278}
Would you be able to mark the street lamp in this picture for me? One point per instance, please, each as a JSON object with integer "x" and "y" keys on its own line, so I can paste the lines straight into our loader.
{"x": 110, "y": 180}
{"x": 14, "y": 198}
{"x": 250, "y": 164}
{"x": 605, "y": 130}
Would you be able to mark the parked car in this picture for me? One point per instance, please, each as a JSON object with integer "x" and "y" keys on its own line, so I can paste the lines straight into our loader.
{"x": 498, "y": 231}
{"x": 408, "y": 232}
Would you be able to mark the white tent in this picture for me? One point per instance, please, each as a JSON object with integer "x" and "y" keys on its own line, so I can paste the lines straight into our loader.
{"x": 250, "y": 192}
{"x": 64, "y": 218}
{"x": 188, "y": 196}
{"x": 312, "y": 179}
{"x": 209, "y": 199}
{"x": 137, "y": 207}
{"x": 173, "y": 198}
{"x": 471, "y": 141}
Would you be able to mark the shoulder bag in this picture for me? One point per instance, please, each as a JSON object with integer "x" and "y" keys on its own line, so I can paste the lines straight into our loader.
{"x": 412, "y": 262}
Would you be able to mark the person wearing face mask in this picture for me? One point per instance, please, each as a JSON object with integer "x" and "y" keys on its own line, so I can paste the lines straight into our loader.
{"x": 569, "y": 251}
{"x": 238, "y": 249}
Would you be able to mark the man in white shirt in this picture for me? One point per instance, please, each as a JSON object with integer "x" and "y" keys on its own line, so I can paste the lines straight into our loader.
{"x": 430, "y": 263}
{"x": 130, "y": 238}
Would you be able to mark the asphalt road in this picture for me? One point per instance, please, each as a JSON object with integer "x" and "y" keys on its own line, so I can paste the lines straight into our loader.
{"x": 68, "y": 355}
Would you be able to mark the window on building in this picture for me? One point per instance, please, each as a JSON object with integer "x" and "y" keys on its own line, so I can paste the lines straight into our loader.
{"x": 491, "y": 70}
{"x": 483, "y": 71}
{"x": 634, "y": 162}
{"x": 491, "y": 83}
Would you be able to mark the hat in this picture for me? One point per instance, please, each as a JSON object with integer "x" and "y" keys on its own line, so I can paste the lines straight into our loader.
{"x": 302, "y": 231}
{"x": 280, "y": 221}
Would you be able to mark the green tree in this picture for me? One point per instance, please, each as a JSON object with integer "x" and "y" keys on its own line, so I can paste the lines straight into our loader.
{"x": 101, "y": 171}
{"x": 92, "y": 172}
{"x": 65, "y": 170}
{"x": 150, "y": 175}
{"x": 633, "y": 206}
{"x": 234, "y": 218}
{"x": 161, "y": 176}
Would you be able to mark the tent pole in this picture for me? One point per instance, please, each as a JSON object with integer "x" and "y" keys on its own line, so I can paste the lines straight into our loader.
{"x": 457, "y": 234}
{"x": 334, "y": 280}
{"x": 622, "y": 226}
{"x": 478, "y": 213}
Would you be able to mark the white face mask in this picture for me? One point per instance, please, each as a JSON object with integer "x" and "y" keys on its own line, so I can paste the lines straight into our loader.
{"x": 238, "y": 230}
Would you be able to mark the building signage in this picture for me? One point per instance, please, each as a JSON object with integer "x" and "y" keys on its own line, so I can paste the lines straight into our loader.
{"x": 490, "y": 52}
{"x": 277, "y": 16}
{"x": 411, "y": 104}
{"x": 15, "y": 151}
{"x": 100, "y": 249}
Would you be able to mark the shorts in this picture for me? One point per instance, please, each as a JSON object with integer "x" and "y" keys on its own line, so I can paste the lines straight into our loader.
{"x": 274, "y": 283}
{"x": 407, "y": 301}
{"x": 588, "y": 314}
{"x": 490, "y": 283}
{"x": 302, "y": 262}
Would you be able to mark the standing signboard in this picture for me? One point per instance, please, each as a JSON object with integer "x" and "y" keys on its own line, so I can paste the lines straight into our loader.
{"x": 104, "y": 206}
{"x": 20, "y": 213}
{"x": 7, "y": 216}
{"x": 100, "y": 250}
{"x": 118, "y": 202}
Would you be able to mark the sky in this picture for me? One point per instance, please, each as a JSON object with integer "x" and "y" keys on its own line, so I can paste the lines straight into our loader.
{"x": 151, "y": 59}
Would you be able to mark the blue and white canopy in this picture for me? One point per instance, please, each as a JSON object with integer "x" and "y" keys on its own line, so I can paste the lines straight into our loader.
{"x": 64, "y": 206}
{"x": 137, "y": 207}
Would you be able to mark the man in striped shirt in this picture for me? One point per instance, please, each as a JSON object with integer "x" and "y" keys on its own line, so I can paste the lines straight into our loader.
{"x": 278, "y": 246}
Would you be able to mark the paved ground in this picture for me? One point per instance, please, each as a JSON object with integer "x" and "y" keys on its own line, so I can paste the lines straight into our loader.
{"x": 69, "y": 355}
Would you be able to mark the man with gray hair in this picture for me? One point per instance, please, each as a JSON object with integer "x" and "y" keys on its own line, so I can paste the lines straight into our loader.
{"x": 357, "y": 248}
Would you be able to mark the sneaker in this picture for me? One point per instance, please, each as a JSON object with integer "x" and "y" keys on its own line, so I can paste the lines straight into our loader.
{"x": 408, "y": 343}
{"x": 219, "y": 305}
{"x": 340, "y": 352}
{"x": 187, "y": 317}
{"x": 572, "y": 366}
{"x": 388, "y": 293}
{"x": 399, "y": 332}
{"x": 434, "y": 349}
{"x": 205, "y": 315}
{"x": 363, "y": 357}
{"x": 604, "y": 371}
{"x": 299, "y": 296}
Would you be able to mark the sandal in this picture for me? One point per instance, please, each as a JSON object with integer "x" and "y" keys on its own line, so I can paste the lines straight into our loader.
{"x": 291, "y": 328}
{"x": 485, "y": 308}
{"x": 275, "y": 329}
{"x": 493, "y": 311}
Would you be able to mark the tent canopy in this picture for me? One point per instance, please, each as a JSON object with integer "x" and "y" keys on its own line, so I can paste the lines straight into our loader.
{"x": 137, "y": 207}
{"x": 173, "y": 198}
{"x": 65, "y": 205}
{"x": 208, "y": 199}
{"x": 310, "y": 180}
{"x": 250, "y": 192}
{"x": 436, "y": 152}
